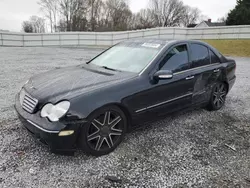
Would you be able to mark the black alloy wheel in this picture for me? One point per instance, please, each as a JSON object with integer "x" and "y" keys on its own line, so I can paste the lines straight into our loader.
{"x": 105, "y": 131}
{"x": 218, "y": 97}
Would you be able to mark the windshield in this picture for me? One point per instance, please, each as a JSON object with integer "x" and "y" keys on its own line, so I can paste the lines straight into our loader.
{"x": 130, "y": 58}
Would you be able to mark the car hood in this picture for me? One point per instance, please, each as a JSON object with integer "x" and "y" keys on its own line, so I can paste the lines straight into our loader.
{"x": 70, "y": 82}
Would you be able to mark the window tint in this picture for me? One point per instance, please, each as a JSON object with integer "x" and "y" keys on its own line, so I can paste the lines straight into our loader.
{"x": 214, "y": 57}
{"x": 176, "y": 60}
{"x": 200, "y": 55}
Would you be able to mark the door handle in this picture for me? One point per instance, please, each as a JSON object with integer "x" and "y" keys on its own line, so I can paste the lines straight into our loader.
{"x": 216, "y": 70}
{"x": 190, "y": 78}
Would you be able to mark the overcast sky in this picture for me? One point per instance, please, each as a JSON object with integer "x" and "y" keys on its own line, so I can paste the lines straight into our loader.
{"x": 13, "y": 12}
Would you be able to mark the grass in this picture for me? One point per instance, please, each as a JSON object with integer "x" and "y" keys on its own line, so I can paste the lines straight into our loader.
{"x": 232, "y": 47}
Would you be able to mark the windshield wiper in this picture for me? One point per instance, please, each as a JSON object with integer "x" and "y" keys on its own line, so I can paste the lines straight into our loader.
{"x": 110, "y": 68}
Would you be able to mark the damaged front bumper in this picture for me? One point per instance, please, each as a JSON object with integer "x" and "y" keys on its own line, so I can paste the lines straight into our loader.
{"x": 60, "y": 137}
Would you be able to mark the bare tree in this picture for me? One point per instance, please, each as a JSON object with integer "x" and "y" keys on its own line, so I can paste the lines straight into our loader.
{"x": 38, "y": 24}
{"x": 50, "y": 8}
{"x": 115, "y": 15}
{"x": 168, "y": 13}
{"x": 143, "y": 20}
{"x": 223, "y": 19}
{"x": 74, "y": 13}
{"x": 94, "y": 9}
{"x": 118, "y": 14}
{"x": 34, "y": 25}
{"x": 191, "y": 16}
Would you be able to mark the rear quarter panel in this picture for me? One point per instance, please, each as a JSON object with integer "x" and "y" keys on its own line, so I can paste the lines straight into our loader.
{"x": 230, "y": 73}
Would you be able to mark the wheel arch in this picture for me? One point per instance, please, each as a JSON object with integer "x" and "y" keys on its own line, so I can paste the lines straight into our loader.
{"x": 127, "y": 114}
{"x": 227, "y": 85}
{"x": 224, "y": 80}
{"x": 122, "y": 108}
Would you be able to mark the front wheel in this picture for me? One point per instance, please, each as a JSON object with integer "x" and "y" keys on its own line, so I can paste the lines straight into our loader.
{"x": 218, "y": 96}
{"x": 104, "y": 132}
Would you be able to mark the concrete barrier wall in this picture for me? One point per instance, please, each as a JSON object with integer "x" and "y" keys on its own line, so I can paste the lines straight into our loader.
{"x": 110, "y": 38}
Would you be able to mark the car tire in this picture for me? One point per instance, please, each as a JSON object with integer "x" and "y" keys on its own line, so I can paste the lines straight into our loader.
{"x": 104, "y": 131}
{"x": 218, "y": 96}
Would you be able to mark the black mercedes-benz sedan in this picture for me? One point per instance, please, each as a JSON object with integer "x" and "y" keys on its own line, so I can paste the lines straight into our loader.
{"x": 91, "y": 106}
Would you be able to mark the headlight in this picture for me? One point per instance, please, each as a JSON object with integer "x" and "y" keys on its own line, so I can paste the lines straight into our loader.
{"x": 55, "y": 112}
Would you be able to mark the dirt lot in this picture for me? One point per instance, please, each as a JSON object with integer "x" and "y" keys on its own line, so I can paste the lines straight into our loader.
{"x": 188, "y": 149}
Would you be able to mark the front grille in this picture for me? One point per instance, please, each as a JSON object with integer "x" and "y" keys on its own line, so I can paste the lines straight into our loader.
{"x": 28, "y": 103}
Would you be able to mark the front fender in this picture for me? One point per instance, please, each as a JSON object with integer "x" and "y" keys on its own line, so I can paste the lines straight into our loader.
{"x": 119, "y": 95}
{"x": 84, "y": 105}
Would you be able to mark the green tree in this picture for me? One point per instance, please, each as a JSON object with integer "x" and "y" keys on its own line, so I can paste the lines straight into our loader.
{"x": 240, "y": 15}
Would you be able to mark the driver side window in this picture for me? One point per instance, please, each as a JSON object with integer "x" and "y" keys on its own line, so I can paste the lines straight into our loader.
{"x": 176, "y": 60}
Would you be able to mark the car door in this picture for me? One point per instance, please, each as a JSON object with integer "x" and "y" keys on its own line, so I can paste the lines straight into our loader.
{"x": 168, "y": 95}
{"x": 204, "y": 69}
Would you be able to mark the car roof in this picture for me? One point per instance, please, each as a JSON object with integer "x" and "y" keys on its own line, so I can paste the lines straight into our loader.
{"x": 166, "y": 43}
{"x": 149, "y": 40}
{"x": 161, "y": 41}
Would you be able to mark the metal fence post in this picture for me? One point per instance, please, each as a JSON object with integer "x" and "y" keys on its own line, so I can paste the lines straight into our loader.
{"x": 78, "y": 37}
{"x": 202, "y": 35}
{"x": 112, "y": 39}
{"x": 60, "y": 39}
{"x": 174, "y": 34}
{"x": 239, "y": 32}
{"x": 95, "y": 39}
{"x": 42, "y": 38}
{"x": 23, "y": 40}
{"x": 2, "y": 39}
{"x": 186, "y": 31}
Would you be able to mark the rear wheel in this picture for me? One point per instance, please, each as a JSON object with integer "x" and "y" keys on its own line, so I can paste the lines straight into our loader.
{"x": 104, "y": 132}
{"x": 218, "y": 96}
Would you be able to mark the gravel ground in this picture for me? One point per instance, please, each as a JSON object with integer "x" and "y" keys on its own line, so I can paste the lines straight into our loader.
{"x": 189, "y": 149}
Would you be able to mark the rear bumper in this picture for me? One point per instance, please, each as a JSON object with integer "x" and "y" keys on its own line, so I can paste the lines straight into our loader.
{"x": 48, "y": 132}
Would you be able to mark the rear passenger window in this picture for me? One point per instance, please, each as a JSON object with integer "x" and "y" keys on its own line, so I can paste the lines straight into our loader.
{"x": 200, "y": 55}
{"x": 214, "y": 57}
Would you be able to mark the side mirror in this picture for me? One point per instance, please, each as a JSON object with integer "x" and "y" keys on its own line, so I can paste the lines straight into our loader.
{"x": 163, "y": 75}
